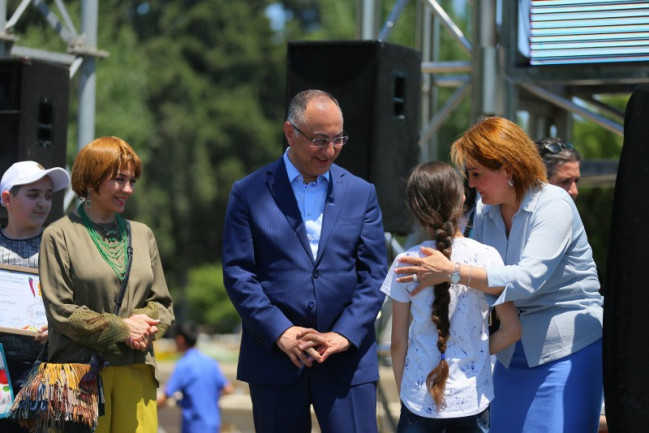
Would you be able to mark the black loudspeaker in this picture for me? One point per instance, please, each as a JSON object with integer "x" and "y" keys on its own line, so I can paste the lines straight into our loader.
{"x": 378, "y": 86}
{"x": 34, "y": 99}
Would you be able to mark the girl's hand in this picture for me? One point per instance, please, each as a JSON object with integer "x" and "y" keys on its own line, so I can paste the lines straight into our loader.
{"x": 42, "y": 335}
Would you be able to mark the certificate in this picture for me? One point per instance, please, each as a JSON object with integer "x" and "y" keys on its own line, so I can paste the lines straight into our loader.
{"x": 21, "y": 301}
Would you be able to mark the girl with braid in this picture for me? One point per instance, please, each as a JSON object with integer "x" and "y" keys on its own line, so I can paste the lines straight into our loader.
{"x": 551, "y": 380}
{"x": 441, "y": 361}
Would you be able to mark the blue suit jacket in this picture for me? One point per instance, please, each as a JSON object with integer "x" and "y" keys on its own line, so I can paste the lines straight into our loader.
{"x": 274, "y": 282}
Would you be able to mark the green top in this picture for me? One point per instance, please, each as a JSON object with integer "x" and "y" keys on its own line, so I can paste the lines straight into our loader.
{"x": 80, "y": 289}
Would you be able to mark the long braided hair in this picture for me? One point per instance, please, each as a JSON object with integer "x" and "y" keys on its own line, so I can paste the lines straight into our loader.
{"x": 434, "y": 193}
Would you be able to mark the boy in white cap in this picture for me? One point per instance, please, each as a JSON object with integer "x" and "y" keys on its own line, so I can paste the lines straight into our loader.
{"x": 26, "y": 191}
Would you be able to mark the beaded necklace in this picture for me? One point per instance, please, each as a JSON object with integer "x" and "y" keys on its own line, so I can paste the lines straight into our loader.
{"x": 112, "y": 245}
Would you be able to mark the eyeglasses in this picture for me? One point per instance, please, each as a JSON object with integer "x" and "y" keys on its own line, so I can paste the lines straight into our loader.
{"x": 555, "y": 147}
{"x": 322, "y": 142}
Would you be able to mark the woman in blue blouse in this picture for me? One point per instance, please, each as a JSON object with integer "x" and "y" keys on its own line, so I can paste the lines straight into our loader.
{"x": 551, "y": 380}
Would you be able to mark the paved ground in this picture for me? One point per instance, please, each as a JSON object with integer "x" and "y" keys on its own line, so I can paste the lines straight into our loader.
{"x": 236, "y": 408}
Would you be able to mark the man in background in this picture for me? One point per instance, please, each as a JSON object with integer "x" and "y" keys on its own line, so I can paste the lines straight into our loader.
{"x": 562, "y": 162}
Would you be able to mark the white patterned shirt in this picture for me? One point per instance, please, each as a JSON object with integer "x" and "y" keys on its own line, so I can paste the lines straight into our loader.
{"x": 469, "y": 388}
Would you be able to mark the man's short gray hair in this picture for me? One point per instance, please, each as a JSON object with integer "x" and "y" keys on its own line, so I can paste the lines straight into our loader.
{"x": 297, "y": 106}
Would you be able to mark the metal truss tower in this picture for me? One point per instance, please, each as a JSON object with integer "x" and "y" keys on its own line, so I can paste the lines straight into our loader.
{"x": 498, "y": 82}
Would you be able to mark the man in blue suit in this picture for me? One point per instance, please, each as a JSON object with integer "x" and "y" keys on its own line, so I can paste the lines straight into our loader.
{"x": 303, "y": 260}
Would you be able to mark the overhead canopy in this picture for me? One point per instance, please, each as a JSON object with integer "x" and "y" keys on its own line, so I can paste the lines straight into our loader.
{"x": 579, "y": 31}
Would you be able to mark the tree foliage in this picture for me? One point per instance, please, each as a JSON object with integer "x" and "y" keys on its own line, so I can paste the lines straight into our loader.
{"x": 595, "y": 203}
{"x": 199, "y": 89}
{"x": 207, "y": 301}
{"x": 214, "y": 94}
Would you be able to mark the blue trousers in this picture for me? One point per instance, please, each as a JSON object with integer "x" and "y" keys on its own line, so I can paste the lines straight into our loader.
{"x": 339, "y": 408}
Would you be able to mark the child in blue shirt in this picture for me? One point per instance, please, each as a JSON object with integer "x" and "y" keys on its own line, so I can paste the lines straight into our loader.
{"x": 201, "y": 382}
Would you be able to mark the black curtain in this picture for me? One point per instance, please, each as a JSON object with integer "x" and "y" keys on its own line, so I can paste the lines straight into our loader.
{"x": 626, "y": 300}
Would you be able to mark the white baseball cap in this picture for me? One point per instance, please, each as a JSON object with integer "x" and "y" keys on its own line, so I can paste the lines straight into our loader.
{"x": 25, "y": 172}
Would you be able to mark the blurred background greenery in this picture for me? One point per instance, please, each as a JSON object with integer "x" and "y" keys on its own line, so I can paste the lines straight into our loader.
{"x": 199, "y": 89}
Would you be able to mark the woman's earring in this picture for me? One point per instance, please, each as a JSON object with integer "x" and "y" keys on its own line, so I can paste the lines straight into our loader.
{"x": 510, "y": 182}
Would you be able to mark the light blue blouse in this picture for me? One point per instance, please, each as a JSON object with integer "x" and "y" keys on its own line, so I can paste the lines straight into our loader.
{"x": 549, "y": 273}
